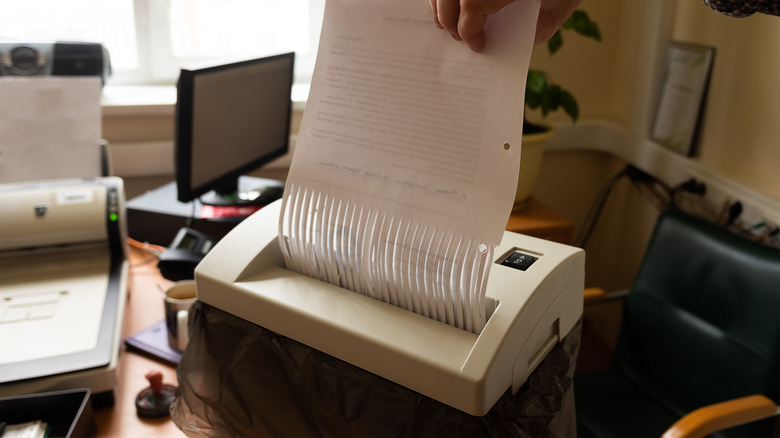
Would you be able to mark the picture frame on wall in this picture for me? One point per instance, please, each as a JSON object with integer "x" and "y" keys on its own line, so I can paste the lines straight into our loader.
{"x": 682, "y": 94}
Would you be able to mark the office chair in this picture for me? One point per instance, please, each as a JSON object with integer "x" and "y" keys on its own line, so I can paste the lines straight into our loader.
{"x": 701, "y": 325}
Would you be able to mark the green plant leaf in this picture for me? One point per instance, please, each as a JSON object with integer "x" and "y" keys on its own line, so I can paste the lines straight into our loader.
{"x": 536, "y": 81}
{"x": 555, "y": 93}
{"x": 541, "y": 94}
{"x": 536, "y": 91}
{"x": 555, "y": 43}
{"x": 569, "y": 104}
{"x": 532, "y": 100}
{"x": 544, "y": 101}
{"x": 582, "y": 24}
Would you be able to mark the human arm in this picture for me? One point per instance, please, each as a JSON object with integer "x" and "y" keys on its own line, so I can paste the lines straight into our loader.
{"x": 744, "y": 8}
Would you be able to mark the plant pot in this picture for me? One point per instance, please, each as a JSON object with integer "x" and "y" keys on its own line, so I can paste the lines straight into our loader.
{"x": 530, "y": 163}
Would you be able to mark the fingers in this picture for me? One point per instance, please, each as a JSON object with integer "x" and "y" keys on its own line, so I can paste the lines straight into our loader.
{"x": 470, "y": 30}
{"x": 435, "y": 13}
{"x": 448, "y": 13}
{"x": 465, "y": 19}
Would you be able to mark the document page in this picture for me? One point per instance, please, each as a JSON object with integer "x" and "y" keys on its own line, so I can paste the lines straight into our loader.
{"x": 406, "y": 163}
{"x": 50, "y": 127}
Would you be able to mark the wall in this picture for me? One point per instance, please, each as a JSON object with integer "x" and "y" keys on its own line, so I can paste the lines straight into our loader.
{"x": 607, "y": 80}
{"x": 615, "y": 82}
{"x": 741, "y": 127}
{"x": 583, "y": 66}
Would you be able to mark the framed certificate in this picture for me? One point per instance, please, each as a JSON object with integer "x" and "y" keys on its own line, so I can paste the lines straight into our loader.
{"x": 682, "y": 93}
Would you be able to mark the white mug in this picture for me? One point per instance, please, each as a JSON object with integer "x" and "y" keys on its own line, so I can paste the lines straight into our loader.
{"x": 178, "y": 299}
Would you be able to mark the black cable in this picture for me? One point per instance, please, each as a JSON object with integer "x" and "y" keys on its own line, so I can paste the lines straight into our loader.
{"x": 691, "y": 186}
{"x": 188, "y": 223}
{"x": 595, "y": 211}
{"x": 664, "y": 198}
{"x": 735, "y": 211}
{"x": 646, "y": 184}
{"x": 655, "y": 192}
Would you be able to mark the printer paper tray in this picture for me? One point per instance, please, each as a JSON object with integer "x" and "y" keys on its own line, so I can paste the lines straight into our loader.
{"x": 59, "y": 311}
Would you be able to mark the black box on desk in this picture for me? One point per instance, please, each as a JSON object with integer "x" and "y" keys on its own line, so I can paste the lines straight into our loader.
{"x": 157, "y": 215}
{"x": 67, "y": 413}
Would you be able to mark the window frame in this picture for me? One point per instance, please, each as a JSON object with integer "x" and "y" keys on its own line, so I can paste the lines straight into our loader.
{"x": 158, "y": 66}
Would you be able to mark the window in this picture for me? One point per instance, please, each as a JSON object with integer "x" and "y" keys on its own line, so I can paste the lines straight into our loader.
{"x": 148, "y": 40}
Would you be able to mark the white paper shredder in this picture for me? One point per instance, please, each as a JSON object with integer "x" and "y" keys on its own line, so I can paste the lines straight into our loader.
{"x": 534, "y": 308}
{"x": 63, "y": 285}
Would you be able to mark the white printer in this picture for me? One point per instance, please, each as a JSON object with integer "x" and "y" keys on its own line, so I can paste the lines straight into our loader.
{"x": 63, "y": 285}
{"x": 534, "y": 297}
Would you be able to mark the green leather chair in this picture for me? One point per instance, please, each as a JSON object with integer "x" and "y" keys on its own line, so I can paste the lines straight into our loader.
{"x": 701, "y": 325}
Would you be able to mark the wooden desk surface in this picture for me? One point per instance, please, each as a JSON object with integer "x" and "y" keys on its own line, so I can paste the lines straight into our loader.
{"x": 144, "y": 308}
{"x": 539, "y": 220}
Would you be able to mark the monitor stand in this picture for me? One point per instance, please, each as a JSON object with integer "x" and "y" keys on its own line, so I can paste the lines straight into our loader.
{"x": 247, "y": 195}
{"x": 156, "y": 216}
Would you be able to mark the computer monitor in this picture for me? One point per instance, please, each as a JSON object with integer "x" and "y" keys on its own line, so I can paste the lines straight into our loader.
{"x": 231, "y": 119}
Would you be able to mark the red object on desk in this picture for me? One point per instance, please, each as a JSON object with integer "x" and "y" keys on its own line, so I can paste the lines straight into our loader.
{"x": 155, "y": 379}
{"x": 224, "y": 211}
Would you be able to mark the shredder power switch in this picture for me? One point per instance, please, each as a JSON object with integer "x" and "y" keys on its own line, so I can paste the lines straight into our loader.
{"x": 519, "y": 260}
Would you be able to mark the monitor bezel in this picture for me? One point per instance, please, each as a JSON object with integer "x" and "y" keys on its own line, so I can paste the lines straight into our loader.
{"x": 183, "y": 131}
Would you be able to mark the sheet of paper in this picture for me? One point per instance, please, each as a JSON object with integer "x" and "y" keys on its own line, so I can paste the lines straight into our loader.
{"x": 50, "y": 127}
{"x": 407, "y": 159}
{"x": 401, "y": 114}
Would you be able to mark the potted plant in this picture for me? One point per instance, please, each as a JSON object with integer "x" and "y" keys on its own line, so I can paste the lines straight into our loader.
{"x": 541, "y": 93}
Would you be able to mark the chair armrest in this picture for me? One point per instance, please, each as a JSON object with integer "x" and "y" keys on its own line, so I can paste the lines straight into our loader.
{"x": 598, "y": 295}
{"x": 594, "y": 295}
{"x": 712, "y": 418}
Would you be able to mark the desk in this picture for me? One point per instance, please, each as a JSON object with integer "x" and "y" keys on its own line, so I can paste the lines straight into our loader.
{"x": 144, "y": 308}
{"x": 539, "y": 220}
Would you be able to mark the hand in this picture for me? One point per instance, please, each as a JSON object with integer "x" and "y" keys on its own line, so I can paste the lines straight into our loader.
{"x": 465, "y": 19}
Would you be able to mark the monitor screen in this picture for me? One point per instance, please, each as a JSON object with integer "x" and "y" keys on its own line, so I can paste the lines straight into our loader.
{"x": 231, "y": 119}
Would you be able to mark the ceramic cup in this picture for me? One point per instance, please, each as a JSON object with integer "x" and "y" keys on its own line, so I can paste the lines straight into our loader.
{"x": 178, "y": 299}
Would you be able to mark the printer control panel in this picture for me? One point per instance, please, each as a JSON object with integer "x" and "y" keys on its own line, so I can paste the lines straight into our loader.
{"x": 519, "y": 260}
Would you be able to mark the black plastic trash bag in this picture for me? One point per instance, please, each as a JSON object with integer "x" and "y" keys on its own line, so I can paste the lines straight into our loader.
{"x": 239, "y": 379}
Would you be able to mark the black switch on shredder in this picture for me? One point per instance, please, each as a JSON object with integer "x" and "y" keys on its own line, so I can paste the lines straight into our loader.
{"x": 520, "y": 261}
